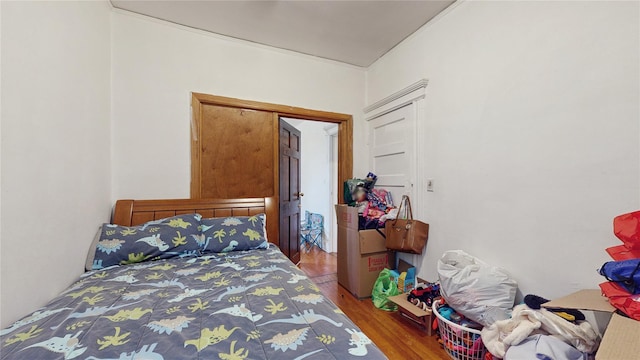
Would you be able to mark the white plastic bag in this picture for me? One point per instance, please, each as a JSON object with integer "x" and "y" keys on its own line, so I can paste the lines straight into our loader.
{"x": 480, "y": 292}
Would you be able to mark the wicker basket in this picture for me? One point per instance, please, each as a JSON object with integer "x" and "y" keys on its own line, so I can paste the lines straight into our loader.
{"x": 460, "y": 342}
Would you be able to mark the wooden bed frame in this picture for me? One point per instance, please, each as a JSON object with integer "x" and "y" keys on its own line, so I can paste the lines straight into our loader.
{"x": 136, "y": 212}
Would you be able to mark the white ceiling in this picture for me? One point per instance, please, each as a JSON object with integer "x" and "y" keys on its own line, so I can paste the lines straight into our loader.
{"x": 355, "y": 32}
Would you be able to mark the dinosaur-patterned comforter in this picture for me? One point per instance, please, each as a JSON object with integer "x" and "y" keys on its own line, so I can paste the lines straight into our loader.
{"x": 240, "y": 305}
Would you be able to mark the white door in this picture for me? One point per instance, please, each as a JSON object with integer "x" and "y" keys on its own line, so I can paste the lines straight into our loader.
{"x": 392, "y": 151}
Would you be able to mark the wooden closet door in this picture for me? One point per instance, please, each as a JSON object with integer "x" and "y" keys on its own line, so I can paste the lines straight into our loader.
{"x": 237, "y": 153}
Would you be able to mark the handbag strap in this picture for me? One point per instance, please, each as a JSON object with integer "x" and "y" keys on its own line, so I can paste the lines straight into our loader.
{"x": 409, "y": 206}
{"x": 405, "y": 198}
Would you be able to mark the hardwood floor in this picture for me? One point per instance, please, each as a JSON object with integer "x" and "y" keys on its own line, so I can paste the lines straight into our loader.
{"x": 396, "y": 337}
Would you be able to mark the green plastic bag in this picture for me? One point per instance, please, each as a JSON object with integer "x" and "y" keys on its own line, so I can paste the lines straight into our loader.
{"x": 382, "y": 289}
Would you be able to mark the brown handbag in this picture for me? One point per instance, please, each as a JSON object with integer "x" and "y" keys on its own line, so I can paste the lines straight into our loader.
{"x": 406, "y": 235}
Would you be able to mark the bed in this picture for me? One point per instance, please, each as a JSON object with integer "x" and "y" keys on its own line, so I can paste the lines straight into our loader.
{"x": 188, "y": 279}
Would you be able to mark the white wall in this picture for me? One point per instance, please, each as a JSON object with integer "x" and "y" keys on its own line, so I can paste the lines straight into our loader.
{"x": 316, "y": 174}
{"x": 532, "y": 133}
{"x": 156, "y": 65}
{"x": 55, "y": 146}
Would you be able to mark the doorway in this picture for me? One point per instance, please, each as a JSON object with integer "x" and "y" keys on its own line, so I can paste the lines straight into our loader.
{"x": 319, "y": 175}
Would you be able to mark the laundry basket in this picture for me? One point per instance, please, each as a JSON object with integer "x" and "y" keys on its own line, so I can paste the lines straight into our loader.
{"x": 460, "y": 342}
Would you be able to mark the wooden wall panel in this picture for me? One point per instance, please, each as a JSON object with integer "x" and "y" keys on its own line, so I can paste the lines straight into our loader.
{"x": 237, "y": 153}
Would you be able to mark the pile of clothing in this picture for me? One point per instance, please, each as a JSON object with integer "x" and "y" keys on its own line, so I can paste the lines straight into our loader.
{"x": 375, "y": 205}
{"x": 564, "y": 333}
{"x": 485, "y": 294}
{"x": 534, "y": 332}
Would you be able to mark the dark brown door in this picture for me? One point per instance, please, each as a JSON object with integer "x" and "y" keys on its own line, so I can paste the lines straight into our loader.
{"x": 290, "y": 191}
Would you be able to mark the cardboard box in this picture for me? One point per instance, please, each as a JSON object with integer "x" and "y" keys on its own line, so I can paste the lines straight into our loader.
{"x": 361, "y": 254}
{"x": 621, "y": 335}
{"x": 421, "y": 318}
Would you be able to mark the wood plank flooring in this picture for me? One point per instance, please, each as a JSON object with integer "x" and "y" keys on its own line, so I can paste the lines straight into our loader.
{"x": 396, "y": 337}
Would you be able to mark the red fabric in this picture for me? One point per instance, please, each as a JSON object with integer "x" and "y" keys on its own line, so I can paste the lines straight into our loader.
{"x": 621, "y": 252}
{"x": 627, "y": 228}
{"x": 489, "y": 356}
{"x": 621, "y": 299}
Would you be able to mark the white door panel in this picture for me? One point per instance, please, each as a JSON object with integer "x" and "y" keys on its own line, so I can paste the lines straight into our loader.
{"x": 392, "y": 150}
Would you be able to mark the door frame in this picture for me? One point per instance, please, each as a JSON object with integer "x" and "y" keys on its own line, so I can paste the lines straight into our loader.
{"x": 345, "y": 137}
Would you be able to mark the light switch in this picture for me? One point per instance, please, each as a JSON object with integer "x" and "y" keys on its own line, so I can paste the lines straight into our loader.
{"x": 430, "y": 185}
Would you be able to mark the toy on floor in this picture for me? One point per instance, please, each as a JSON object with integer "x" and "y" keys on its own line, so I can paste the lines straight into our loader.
{"x": 423, "y": 295}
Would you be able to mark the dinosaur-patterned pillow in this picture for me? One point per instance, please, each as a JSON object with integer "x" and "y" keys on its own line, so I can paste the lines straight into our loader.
{"x": 158, "y": 239}
{"x": 236, "y": 233}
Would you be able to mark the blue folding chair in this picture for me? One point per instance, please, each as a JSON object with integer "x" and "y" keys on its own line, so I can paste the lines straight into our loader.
{"x": 311, "y": 231}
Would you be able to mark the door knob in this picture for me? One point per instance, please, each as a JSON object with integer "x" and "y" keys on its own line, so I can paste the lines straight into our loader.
{"x": 300, "y": 194}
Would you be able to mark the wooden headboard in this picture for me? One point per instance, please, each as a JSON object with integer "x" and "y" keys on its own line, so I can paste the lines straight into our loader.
{"x": 136, "y": 212}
